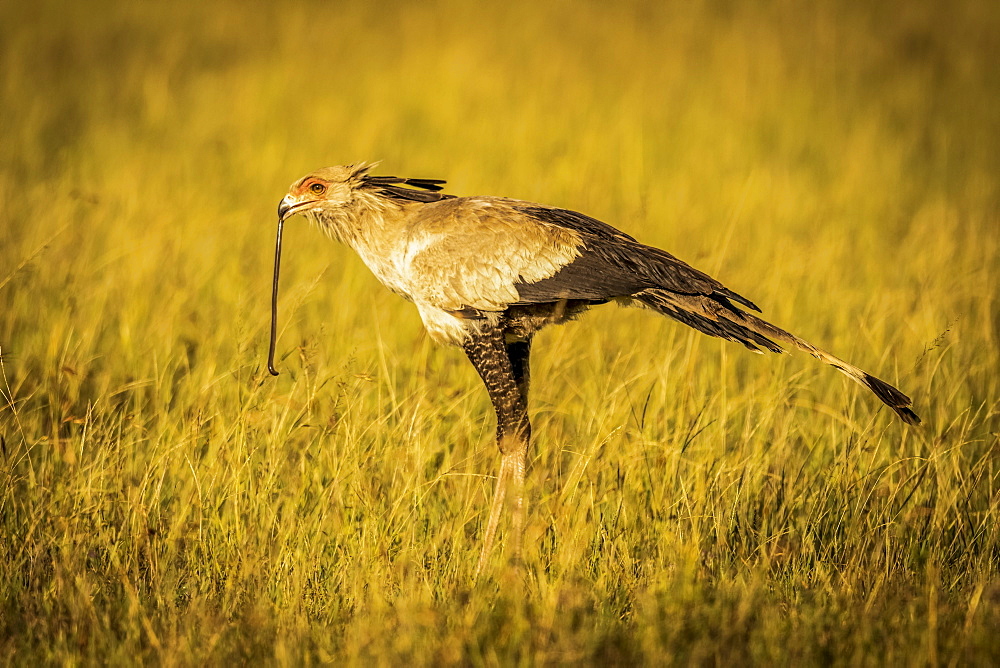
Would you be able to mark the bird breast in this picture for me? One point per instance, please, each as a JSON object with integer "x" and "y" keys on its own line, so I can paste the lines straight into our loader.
{"x": 462, "y": 254}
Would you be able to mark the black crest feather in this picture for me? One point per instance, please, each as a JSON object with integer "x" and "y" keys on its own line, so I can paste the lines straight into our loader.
{"x": 414, "y": 190}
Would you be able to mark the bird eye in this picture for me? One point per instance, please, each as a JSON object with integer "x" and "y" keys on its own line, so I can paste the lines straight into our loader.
{"x": 318, "y": 188}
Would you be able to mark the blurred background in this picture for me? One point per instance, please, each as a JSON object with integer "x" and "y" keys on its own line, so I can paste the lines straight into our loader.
{"x": 838, "y": 162}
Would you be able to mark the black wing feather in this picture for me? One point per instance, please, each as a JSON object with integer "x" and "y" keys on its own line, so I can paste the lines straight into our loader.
{"x": 722, "y": 328}
{"x": 576, "y": 221}
{"x": 616, "y": 265}
{"x": 587, "y": 277}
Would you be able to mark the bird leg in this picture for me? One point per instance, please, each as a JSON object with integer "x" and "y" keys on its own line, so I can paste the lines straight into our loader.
{"x": 504, "y": 370}
{"x": 518, "y": 352}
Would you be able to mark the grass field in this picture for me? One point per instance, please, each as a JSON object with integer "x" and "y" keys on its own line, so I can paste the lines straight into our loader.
{"x": 164, "y": 500}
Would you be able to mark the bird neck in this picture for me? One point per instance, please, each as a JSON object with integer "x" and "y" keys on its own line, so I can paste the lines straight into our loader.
{"x": 361, "y": 222}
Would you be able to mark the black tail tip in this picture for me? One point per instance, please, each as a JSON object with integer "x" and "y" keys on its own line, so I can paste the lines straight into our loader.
{"x": 893, "y": 398}
{"x": 906, "y": 415}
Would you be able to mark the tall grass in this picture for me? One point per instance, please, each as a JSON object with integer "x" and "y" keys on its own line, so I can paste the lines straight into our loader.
{"x": 165, "y": 500}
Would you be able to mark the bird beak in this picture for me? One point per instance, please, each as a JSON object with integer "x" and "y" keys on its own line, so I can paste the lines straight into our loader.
{"x": 284, "y": 206}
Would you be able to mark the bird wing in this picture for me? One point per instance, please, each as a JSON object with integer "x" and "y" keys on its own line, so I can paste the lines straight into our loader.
{"x": 472, "y": 252}
{"x": 488, "y": 253}
{"x": 618, "y": 262}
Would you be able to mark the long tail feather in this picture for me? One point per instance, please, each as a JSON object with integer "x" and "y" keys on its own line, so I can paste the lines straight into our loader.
{"x": 713, "y": 312}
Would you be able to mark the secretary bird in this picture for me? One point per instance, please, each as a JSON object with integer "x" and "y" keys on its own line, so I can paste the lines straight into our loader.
{"x": 486, "y": 273}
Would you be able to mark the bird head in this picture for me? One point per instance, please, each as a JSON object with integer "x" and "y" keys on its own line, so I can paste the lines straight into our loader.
{"x": 327, "y": 189}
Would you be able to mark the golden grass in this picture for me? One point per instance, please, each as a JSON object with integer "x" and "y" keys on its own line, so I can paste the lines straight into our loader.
{"x": 164, "y": 500}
